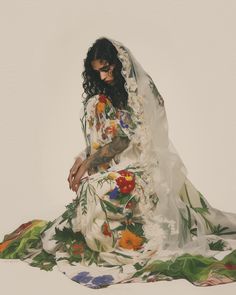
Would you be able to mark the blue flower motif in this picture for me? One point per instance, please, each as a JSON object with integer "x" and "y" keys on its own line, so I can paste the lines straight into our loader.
{"x": 82, "y": 277}
{"x": 123, "y": 124}
{"x": 102, "y": 280}
{"x": 113, "y": 194}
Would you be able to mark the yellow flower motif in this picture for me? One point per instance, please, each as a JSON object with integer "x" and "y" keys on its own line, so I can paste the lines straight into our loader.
{"x": 95, "y": 145}
{"x": 112, "y": 175}
{"x": 113, "y": 123}
{"x": 128, "y": 177}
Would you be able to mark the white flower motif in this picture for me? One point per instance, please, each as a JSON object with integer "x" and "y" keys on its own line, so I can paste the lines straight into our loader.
{"x": 132, "y": 84}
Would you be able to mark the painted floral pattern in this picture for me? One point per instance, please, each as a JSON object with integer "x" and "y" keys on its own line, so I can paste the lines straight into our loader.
{"x": 103, "y": 237}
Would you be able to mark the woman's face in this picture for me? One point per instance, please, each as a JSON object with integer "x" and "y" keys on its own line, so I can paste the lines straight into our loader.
{"x": 105, "y": 70}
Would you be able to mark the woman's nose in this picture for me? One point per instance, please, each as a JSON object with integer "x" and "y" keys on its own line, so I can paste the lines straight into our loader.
{"x": 103, "y": 75}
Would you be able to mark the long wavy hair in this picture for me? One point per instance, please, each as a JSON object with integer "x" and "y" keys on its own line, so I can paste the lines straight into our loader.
{"x": 103, "y": 49}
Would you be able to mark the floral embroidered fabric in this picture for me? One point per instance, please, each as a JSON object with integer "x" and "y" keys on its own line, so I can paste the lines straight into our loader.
{"x": 110, "y": 233}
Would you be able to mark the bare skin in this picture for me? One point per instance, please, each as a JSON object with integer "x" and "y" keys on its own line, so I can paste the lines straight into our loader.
{"x": 105, "y": 70}
{"x": 108, "y": 151}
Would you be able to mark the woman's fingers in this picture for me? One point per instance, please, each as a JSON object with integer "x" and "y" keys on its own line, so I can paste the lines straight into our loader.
{"x": 76, "y": 181}
{"x": 74, "y": 170}
{"x": 76, "y": 165}
{"x": 71, "y": 176}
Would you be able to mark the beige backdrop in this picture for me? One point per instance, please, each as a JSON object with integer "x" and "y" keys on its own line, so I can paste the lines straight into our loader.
{"x": 188, "y": 47}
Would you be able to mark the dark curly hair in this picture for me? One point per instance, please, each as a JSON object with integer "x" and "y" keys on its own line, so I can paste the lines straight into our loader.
{"x": 103, "y": 49}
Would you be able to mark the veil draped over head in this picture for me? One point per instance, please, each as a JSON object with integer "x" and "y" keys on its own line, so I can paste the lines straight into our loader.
{"x": 157, "y": 152}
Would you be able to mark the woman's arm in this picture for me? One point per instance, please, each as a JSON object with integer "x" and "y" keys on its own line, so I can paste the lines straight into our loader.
{"x": 83, "y": 154}
{"x": 103, "y": 155}
{"x": 107, "y": 152}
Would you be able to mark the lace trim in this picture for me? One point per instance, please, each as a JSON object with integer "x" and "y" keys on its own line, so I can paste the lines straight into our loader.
{"x": 141, "y": 136}
{"x": 127, "y": 70}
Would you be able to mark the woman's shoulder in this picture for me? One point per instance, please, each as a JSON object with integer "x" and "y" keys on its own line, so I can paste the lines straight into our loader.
{"x": 91, "y": 98}
{"x": 91, "y": 101}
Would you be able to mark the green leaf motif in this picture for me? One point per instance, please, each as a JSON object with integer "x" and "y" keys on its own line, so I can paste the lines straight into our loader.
{"x": 67, "y": 235}
{"x": 136, "y": 228}
{"x": 112, "y": 208}
{"x": 217, "y": 246}
{"x": 219, "y": 230}
{"x": 44, "y": 261}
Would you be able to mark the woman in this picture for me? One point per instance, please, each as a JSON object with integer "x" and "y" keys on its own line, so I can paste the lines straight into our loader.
{"x": 136, "y": 216}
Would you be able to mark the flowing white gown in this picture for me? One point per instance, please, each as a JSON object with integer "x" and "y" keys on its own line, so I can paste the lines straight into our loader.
{"x": 112, "y": 232}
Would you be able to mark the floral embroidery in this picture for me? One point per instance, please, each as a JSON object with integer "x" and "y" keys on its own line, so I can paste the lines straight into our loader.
{"x": 77, "y": 248}
{"x": 95, "y": 145}
{"x": 130, "y": 240}
{"x": 113, "y": 215}
{"x": 106, "y": 230}
{"x": 126, "y": 181}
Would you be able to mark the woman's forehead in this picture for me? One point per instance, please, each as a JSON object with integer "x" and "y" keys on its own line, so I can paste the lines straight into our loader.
{"x": 98, "y": 63}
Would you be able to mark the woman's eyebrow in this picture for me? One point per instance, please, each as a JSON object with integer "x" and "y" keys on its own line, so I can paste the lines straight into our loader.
{"x": 102, "y": 68}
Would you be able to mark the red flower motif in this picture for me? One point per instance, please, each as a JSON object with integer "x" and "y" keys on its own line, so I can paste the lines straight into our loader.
{"x": 110, "y": 130}
{"x": 126, "y": 181}
{"x": 125, "y": 173}
{"x": 230, "y": 266}
{"x": 128, "y": 187}
{"x": 102, "y": 98}
{"x": 121, "y": 181}
{"x": 77, "y": 248}
{"x": 106, "y": 230}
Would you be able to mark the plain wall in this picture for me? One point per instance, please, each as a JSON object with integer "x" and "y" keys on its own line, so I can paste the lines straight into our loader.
{"x": 189, "y": 49}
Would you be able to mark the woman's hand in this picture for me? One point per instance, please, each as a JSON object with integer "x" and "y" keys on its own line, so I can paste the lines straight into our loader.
{"x": 79, "y": 174}
{"x": 103, "y": 155}
{"x": 74, "y": 169}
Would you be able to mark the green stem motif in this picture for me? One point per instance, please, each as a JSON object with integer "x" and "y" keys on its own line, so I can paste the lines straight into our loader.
{"x": 83, "y": 121}
{"x": 186, "y": 190}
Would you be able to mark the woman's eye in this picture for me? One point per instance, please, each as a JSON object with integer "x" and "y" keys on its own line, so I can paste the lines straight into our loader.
{"x": 105, "y": 69}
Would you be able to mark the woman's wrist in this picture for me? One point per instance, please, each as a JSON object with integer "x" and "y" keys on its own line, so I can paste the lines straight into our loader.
{"x": 82, "y": 155}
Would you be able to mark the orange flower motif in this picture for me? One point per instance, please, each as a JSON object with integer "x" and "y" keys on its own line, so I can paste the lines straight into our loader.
{"x": 111, "y": 130}
{"x": 114, "y": 130}
{"x": 100, "y": 107}
{"x": 4, "y": 245}
{"x": 130, "y": 240}
{"x": 20, "y": 231}
{"x": 108, "y": 129}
